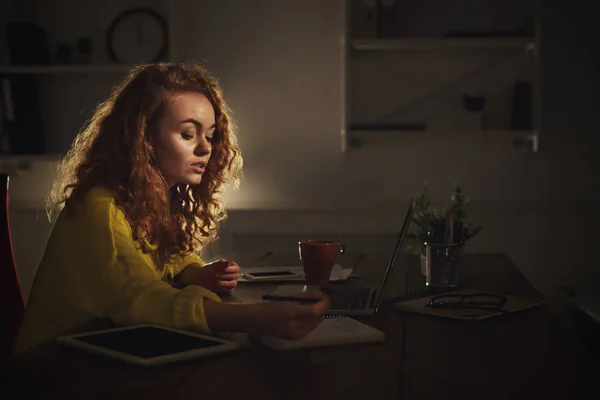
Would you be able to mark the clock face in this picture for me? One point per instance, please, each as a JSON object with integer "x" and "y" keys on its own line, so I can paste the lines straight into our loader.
{"x": 137, "y": 36}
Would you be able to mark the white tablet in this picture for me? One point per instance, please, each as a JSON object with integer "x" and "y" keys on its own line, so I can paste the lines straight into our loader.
{"x": 271, "y": 273}
{"x": 148, "y": 345}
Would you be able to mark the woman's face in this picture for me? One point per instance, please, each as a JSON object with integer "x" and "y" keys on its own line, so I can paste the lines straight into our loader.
{"x": 183, "y": 141}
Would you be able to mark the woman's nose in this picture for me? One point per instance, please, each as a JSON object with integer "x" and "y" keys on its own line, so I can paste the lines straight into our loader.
{"x": 202, "y": 149}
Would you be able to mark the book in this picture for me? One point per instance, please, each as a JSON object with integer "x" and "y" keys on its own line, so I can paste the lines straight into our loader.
{"x": 330, "y": 332}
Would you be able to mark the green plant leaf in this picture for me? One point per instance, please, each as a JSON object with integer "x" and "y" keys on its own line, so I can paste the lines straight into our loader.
{"x": 430, "y": 221}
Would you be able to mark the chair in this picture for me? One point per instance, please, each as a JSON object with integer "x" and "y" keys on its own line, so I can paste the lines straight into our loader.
{"x": 12, "y": 302}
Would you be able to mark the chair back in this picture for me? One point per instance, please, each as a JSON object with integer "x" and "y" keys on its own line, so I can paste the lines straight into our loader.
{"x": 12, "y": 303}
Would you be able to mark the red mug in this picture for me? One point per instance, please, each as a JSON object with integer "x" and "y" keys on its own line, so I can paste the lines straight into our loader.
{"x": 318, "y": 257}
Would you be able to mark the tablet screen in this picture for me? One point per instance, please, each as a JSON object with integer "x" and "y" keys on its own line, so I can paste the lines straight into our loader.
{"x": 147, "y": 341}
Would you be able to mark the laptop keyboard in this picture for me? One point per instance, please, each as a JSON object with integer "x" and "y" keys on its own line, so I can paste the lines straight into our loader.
{"x": 350, "y": 298}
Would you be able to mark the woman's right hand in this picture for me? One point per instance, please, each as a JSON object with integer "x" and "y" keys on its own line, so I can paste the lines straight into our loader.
{"x": 283, "y": 319}
{"x": 291, "y": 320}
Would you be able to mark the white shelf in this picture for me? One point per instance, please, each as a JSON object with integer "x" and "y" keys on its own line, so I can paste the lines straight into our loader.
{"x": 442, "y": 44}
{"x": 357, "y": 136}
{"x": 65, "y": 69}
{"x": 19, "y": 158}
{"x": 509, "y": 137}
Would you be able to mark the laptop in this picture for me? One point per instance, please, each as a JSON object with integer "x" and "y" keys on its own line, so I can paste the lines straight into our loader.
{"x": 366, "y": 300}
{"x": 355, "y": 300}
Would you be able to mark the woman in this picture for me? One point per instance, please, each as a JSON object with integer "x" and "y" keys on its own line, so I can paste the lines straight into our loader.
{"x": 141, "y": 188}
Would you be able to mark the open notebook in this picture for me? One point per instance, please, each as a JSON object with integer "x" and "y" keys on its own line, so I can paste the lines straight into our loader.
{"x": 331, "y": 332}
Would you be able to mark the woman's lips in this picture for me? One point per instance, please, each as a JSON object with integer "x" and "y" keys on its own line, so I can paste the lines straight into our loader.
{"x": 199, "y": 168}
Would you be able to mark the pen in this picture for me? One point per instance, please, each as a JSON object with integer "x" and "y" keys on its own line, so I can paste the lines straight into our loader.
{"x": 306, "y": 300}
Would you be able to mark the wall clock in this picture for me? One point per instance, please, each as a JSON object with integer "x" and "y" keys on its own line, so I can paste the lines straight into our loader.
{"x": 137, "y": 35}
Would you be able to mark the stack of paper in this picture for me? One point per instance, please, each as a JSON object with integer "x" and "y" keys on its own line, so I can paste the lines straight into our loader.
{"x": 338, "y": 273}
{"x": 331, "y": 332}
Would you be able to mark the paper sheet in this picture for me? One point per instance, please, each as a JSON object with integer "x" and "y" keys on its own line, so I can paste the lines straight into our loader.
{"x": 331, "y": 332}
{"x": 338, "y": 273}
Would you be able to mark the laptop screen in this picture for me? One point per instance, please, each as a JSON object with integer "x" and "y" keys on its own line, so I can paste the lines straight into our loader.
{"x": 399, "y": 242}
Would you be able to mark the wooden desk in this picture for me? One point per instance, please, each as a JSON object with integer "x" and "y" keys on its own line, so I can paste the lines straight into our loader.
{"x": 523, "y": 355}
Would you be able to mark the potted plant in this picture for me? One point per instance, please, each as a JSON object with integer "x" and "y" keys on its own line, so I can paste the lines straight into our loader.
{"x": 441, "y": 231}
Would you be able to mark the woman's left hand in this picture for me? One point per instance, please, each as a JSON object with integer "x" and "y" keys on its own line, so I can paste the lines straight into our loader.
{"x": 219, "y": 276}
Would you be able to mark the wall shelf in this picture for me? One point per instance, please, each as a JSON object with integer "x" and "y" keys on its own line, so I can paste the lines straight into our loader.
{"x": 524, "y": 43}
{"x": 356, "y": 137}
{"x": 416, "y": 67}
{"x": 18, "y": 158}
{"x": 66, "y": 85}
{"x": 64, "y": 69}
{"x": 378, "y": 131}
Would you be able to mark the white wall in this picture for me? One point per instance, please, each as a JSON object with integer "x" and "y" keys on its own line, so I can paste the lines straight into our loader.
{"x": 67, "y": 100}
{"x": 280, "y": 63}
{"x": 29, "y": 186}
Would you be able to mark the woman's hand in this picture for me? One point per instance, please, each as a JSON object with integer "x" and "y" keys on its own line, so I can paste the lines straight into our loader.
{"x": 288, "y": 320}
{"x": 291, "y": 320}
{"x": 219, "y": 276}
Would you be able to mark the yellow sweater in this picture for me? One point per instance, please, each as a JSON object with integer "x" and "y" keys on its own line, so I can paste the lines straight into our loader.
{"x": 92, "y": 267}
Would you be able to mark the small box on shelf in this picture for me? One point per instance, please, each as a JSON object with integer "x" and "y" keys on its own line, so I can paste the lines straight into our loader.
{"x": 363, "y": 18}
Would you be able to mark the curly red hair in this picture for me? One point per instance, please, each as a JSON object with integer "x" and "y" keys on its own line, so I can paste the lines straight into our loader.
{"x": 114, "y": 150}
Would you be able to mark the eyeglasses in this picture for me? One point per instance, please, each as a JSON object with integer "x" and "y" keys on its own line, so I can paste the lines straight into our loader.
{"x": 488, "y": 301}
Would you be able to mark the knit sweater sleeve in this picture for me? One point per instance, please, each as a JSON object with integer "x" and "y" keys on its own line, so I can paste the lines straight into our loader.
{"x": 181, "y": 262}
{"x": 132, "y": 291}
